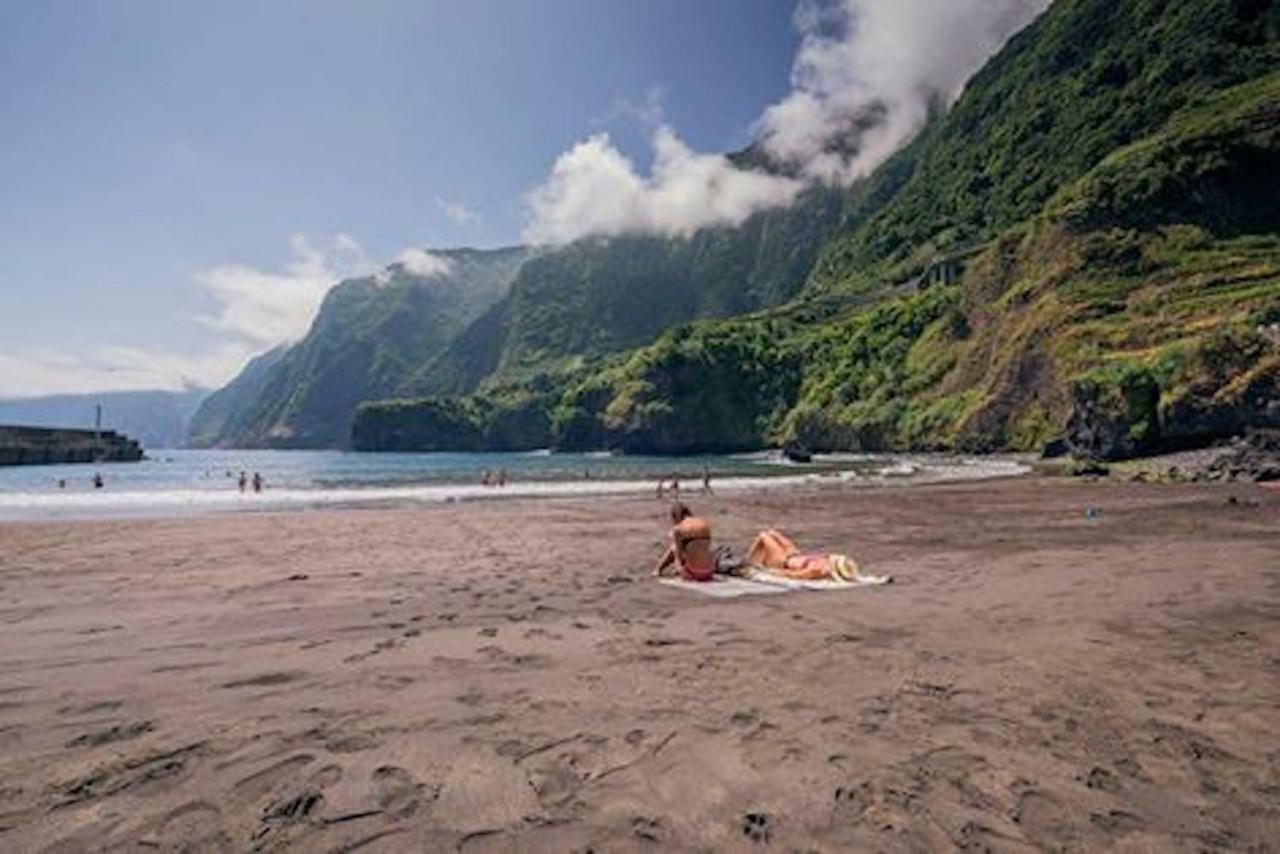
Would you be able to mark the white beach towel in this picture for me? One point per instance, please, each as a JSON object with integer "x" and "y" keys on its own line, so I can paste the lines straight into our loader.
{"x": 757, "y": 576}
{"x": 724, "y": 587}
{"x": 757, "y": 583}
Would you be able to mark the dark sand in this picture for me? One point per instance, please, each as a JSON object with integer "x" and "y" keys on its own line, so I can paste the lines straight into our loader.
{"x": 504, "y": 676}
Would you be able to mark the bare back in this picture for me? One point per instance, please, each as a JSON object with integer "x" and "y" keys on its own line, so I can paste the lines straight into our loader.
{"x": 693, "y": 547}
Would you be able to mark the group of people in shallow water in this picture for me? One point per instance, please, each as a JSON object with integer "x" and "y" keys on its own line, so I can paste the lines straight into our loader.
{"x": 96, "y": 481}
{"x": 692, "y": 557}
{"x": 671, "y": 485}
{"x": 244, "y": 482}
{"x": 494, "y": 478}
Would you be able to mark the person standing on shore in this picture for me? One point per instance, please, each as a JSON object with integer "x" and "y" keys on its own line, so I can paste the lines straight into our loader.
{"x": 257, "y": 482}
{"x": 243, "y": 482}
{"x": 706, "y": 481}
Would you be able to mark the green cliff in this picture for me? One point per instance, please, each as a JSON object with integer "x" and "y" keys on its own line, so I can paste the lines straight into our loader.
{"x": 1085, "y": 246}
{"x": 596, "y": 297}
{"x": 369, "y": 337}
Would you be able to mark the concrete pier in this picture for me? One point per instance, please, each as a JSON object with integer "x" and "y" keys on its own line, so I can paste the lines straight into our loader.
{"x": 23, "y": 446}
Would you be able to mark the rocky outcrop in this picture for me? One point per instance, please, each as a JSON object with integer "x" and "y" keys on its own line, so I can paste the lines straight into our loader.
{"x": 20, "y": 446}
{"x": 1255, "y": 458}
{"x": 1125, "y": 416}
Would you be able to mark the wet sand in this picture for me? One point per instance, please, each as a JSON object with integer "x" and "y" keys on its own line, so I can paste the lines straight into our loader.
{"x": 505, "y": 676}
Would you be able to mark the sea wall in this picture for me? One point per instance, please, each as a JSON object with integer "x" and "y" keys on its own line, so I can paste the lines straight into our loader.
{"x": 21, "y": 446}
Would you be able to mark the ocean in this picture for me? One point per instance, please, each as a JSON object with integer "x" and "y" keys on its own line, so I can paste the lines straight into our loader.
{"x": 185, "y": 482}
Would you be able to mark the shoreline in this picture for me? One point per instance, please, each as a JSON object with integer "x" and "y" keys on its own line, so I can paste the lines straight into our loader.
{"x": 915, "y": 470}
{"x": 497, "y": 675}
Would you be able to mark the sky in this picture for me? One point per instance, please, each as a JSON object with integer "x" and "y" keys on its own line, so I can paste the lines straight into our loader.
{"x": 181, "y": 181}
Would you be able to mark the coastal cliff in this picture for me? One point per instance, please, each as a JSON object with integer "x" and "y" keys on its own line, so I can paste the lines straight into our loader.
{"x": 1082, "y": 251}
{"x": 25, "y": 446}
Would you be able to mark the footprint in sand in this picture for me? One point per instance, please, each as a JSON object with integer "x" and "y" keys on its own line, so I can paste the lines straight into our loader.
{"x": 396, "y": 792}
{"x": 129, "y": 773}
{"x": 1103, "y": 780}
{"x": 851, "y": 801}
{"x": 556, "y": 784}
{"x": 646, "y": 828}
{"x": 355, "y": 742}
{"x": 1041, "y": 815}
{"x": 119, "y": 732}
{"x": 194, "y": 826}
{"x": 294, "y": 808}
{"x": 1117, "y": 822}
{"x": 297, "y": 804}
{"x": 264, "y": 780}
{"x": 263, "y": 680}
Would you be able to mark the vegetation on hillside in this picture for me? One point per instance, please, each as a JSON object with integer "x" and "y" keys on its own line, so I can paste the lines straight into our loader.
{"x": 1134, "y": 311}
{"x": 1089, "y": 77}
{"x": 1107, "y": 189}
{"x": 574, "y": 304}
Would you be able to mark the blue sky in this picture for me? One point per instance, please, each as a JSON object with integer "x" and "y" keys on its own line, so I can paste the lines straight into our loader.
{"x": 181, "y": 181}
{"x": 145, "y": 142}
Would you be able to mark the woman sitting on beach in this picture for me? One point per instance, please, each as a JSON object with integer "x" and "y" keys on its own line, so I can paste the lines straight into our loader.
{"x": 690, "y": 549}
{"x": 774, "y": 551}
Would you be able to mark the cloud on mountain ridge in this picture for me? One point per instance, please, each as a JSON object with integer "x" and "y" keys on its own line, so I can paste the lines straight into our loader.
{"x": 863, "y": 82}
{"x": 594, "y": 189}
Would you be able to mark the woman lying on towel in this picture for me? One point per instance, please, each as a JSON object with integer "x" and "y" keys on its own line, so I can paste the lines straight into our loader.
{"x": 690, "y": 548}
{"x": 775, "y": 552}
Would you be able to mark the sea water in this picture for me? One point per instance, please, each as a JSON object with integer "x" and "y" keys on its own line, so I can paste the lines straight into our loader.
{"x": 181, "y": 482}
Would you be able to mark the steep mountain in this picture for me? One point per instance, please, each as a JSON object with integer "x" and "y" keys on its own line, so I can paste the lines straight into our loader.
{"x": 368, "y": 337}
{"x": 156, "y": 419}
{"x": 223, "y": 408}
{"x": 1086, "y": 79}
{"x": 601, "y": 296}
{"x": 1085, "y": 246}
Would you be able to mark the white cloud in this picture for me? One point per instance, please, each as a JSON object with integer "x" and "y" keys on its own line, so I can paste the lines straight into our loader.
{"x": 456, "y": 212}
{"x": 256, "y": 309}
{"x": 265, "y": 308}
{"x": 879, "y": 65}
{"x": 30, "y": 374}
{"x": 863, "y": 81}
{"x": 594, "y": 189}
{"x": 419, "y": 262}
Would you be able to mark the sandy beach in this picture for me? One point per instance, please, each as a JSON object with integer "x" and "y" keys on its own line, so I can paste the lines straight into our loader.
{"x": 505, "y": 676}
